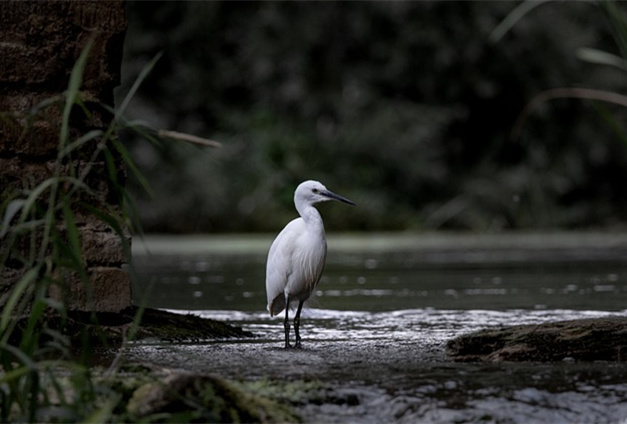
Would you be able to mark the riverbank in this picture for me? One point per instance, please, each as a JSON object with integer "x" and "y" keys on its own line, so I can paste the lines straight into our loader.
{"x": 393, "y": 367}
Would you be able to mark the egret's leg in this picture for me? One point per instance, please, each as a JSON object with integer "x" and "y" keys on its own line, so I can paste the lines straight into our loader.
{"x": 297, "y": 324}
{"x": 286, "y": 324}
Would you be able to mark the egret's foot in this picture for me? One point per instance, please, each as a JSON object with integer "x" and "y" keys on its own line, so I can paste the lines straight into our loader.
{"x": 288, "y": 346}
{"x": 298, "y": 345}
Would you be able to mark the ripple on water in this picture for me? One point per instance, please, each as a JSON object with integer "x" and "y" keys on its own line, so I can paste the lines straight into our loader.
{"x": 435, "y": 324}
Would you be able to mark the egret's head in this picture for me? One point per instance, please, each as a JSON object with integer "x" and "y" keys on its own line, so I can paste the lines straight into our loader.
{"x": 312, "y": 192}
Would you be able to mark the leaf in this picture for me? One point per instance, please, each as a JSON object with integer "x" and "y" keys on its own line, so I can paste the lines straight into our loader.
{"x": 566, "y": 93}
{"x": 12, "y": 209}
{"x": 18, "y": 291}
{"x": 13, "y": 374}
{"x": 80, "y": 141}
{"x": 74, "y": 244}
{"x": 105, "y": 413}
{"x": 618, "y": 22}
{"x": 30, "y": 337}
{"x": 34, "y": 195}
{"x": 28, "y": 225}
{"x": 131, "y": 93}
{"x": 20, "y": 356}
{"x": 130, "y": 163}
{"x": 76, "y": 80}
{"x": 601, "y": 57}
{"x": 70, "y": 226}
{"x": 173, "y": 135}
{"x": 513, "y": 17}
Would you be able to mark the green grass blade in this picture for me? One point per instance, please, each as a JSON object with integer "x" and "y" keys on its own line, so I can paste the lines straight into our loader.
{"x": 140, "y": 79}
{"x": 28, "y": 225}
{"x": 11, "y": 210}
{"x": 600, "y": 57}
{"x": 618, "y": 22}
{"x": 513, "y": 17}
{"x": 76, "y": 80}
{"x": 30, "y": 338}
{"x": 20, "y": 356}
{"x": 29, "y": 204}
{"x": 71, "y": 229}
{"x": 104, "y": 414}
{"x": 133, "y": 214}
{"x": 13, "y": 374}
{"x": 85, "y": 138}
{"x": 27, "y": 280}
{"x": 130, "y": 163}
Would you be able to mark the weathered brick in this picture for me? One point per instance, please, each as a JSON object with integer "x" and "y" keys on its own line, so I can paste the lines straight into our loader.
{"x": 40, "y": 42}
{"x": 104, "y": 247}
{"x": 108, "y": 290}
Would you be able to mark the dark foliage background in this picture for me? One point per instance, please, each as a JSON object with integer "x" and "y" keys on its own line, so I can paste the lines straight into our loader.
{"x": 407, "y": 108}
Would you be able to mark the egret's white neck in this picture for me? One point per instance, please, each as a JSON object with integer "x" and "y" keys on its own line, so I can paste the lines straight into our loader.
{"x": 311, "y": 216}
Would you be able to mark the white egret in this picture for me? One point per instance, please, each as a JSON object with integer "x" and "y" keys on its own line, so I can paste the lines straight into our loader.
{"x": 297, "y": 255}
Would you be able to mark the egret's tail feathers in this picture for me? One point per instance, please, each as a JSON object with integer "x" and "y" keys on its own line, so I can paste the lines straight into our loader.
{"x": 277, "y": 305}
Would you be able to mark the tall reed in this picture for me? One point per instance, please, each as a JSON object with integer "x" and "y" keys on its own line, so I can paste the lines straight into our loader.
{"x": 40, "y": 241}
{"x": 617, "y": 19}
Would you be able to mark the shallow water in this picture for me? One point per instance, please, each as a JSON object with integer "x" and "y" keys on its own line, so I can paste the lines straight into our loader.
{"x": 375, "y": 336}
{"x": 387, "y": 281}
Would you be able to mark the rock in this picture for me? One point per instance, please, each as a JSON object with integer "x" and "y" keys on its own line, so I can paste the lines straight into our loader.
{"x": 594, "y": 339}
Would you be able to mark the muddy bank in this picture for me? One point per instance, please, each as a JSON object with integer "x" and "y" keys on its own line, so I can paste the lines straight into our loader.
{"x": 598, "y": 339}
{"x": 110, "y": 330}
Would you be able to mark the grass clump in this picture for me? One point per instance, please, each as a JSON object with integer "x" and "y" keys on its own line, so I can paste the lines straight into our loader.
{"x": 42, "y": 255}
{"x": 47, "y": 346}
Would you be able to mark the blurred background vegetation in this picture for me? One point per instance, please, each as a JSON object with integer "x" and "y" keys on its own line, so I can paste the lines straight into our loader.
{"x": 407, "y": 108}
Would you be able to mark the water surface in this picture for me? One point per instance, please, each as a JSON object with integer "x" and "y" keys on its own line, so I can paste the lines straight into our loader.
{"x": 390, "y": 273}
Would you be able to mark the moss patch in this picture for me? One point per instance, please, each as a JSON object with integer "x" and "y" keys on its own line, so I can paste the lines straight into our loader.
{"x": 191, "y": 397}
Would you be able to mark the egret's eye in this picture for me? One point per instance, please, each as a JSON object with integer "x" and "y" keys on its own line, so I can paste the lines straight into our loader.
{"x": 315, "y": 190}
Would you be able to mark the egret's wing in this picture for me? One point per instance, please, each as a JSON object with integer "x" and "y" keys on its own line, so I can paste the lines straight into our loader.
{"x": 295, "y": 263}
{"x": 309, "y": 258}
{"x": 280, "y": 265}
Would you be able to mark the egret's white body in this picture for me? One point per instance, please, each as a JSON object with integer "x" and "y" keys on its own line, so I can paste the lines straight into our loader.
{"x": 297, "y": 255}
{"x": 295, "y": 263}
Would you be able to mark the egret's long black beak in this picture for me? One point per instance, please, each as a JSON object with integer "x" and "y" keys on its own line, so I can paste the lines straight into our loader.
{"x": 337, "y": 197}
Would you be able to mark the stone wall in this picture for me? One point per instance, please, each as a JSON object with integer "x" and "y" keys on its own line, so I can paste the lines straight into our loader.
{"x": 40, "y": 42}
